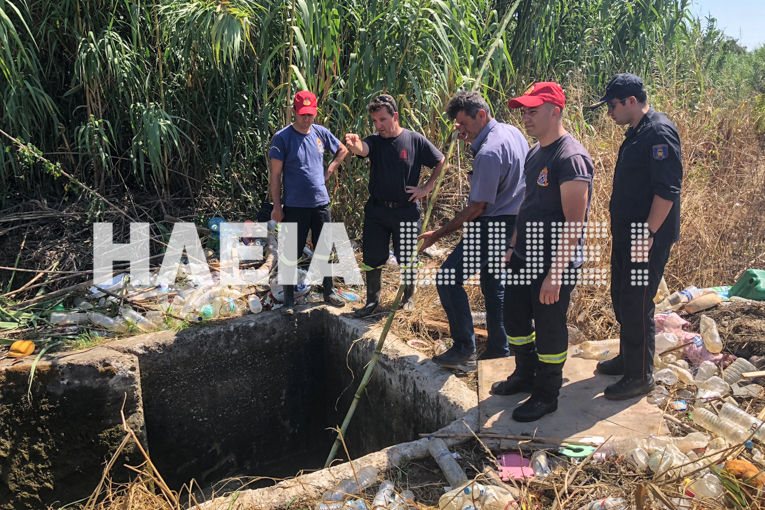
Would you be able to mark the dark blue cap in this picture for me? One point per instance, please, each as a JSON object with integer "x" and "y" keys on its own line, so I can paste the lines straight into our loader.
{"x": 622, "y": 85}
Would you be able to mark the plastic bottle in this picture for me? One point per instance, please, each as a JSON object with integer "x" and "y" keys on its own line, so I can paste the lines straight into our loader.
{"x": 452, "y": 470}
{"x": 712, "y": 388}
{"x": 683, "y": 374}
{"x": 732, "y": 374}
{"x": 658, "y": 396}
{"x": 724, "y": 428}
{"x": 606, "y": 504}
{"x": 539, "y": 464}
{"x": 706, "y": 370}
{"x": 666, "y": 376}
{"x": 473, "y": 495}
{"x": 639, "y": 458}
{"x": 708, "y": 486}
{"x": 224, "y": 305}
{"x": 207, "y": 312}
{"x": 366, "y": 477}
{"x": 692, "y": 441}
{"x": 402, "y": 501}
{"x": 136, "y": 318}
{"x": 107, "y": 323}
{"x": 599, "y": 350}
{"x": 384, "y": 496}
{"x": 253, "y": 302}
{"x": 665, "y": 342}
{"x": 709, "y": 334}
{"x": 64, "y": 318}
{"x": 684, "y": 296}
{"x": 745, "y": 420}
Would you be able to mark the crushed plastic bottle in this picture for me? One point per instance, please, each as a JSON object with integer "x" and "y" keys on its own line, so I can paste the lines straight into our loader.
{"x": 136, "y": 318}
{"x": 473, "y": 495}
{"x": 385, "y": 495}
{"x": 707, "y": 486}
{"x": 606, "y": 504}
{"x": 666, "y": 376}
{"x": 254, "y": 304}
{"x": 709, "y": 335}
{"x": 658, "y": 396}
{"x": 539, "y": 464}
{"x": 665, "y": 342}
{"x": 118, "y": 324}
{"x": 706, "y": 370}
{"x": 732, "y": 374}
{"x": 712, "y": 388}
{"x": 596, "y": 349}
{"x": 684, "y": 296}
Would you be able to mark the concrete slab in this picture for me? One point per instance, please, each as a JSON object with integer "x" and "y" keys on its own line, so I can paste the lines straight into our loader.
{"x": 582, "y": 409}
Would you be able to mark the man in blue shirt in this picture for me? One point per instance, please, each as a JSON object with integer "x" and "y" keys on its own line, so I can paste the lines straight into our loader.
{"x": 496, "y": 192}
{"x": 297, "y": 162}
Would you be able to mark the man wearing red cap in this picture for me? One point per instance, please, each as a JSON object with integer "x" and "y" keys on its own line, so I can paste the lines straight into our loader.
{"x": 297, "y": 163}
{"x": 545, "y": 252}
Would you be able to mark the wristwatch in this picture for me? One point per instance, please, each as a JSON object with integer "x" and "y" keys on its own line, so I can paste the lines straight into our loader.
{"x": 651, "y": 233}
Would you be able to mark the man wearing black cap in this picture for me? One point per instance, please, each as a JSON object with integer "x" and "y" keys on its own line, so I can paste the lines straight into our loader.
{"x": 645, "y": 222}
{"x": 542, "y": 264}
{"x": 397, "y": 155}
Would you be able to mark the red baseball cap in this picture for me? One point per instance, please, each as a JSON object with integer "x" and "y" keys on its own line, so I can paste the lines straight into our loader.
{"x": 305, "y": 103}
{"x": 538, "y": 94}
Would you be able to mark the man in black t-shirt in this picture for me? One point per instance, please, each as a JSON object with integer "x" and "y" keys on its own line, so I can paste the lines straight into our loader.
{"x": 396, "y": 155}
{"x": 645, "y": 222}
{"x": 545, "y": 254}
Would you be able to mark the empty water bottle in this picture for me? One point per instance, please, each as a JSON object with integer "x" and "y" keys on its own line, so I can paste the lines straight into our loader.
{"x": 709, "y": 335}
{"x": 684, "y": 296}
{"x": 712, "y": 388}
{"x": 748, "y": 422}
{"x": 64, "y": 318}
{"x": 366, "y": 477}
{"x": 708, "y": 486}
{"x": 254, "y": 304}
{"x": 732, "y": 374}
{"x": 666, "y": 376}
{"x": 385, "y": 495}
{"x": 107, "y": 323}
{"x": 724, "y": 428}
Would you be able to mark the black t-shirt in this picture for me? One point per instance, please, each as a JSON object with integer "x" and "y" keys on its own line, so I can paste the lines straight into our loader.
{"x": 650, "y": 163}
{"x": 546, "y": 168}
{"x": 396, "y": 163}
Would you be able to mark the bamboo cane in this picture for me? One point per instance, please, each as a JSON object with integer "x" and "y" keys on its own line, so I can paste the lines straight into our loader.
{"x": 399, "y": 294}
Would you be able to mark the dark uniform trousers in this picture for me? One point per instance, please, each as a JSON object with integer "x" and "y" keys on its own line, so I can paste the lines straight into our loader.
{"x": 633, "y": 304}
{"x": 307, "y": 218}
{"x": 540, "y": 349}
{"x": 382, "y": 220}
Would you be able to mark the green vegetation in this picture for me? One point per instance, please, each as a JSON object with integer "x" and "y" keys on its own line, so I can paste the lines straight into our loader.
{"x": 167, "y": 97}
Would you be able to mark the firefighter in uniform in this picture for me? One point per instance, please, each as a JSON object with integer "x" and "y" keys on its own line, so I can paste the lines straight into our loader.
{"x": 396, "y": 157}
{"x": 543, "y": 267}
{"x": 645, "y": 222}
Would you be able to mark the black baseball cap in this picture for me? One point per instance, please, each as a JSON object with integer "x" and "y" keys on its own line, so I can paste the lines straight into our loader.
{"x": 622, "y": 85}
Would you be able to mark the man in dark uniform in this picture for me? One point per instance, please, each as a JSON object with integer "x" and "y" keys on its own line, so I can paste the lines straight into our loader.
{"x": 496, "y": 192}
{"x": 297, "y": 158}
{"x": 645, "y": 222}
{"x": 397, "y": 155}
{"x": 546, "y": 252}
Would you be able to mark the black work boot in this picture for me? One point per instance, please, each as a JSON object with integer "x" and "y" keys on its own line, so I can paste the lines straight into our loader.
{"x": 614, "y": 366}
{"x": 458, "y": 359}
{"x": 407, "y": 300}
{"x": 289, "y": 300}
{"x": 522, "y": 378}
{"x": 629, "y": 387}
{"x": 374, "y": 283}
{"x": 544, "y": 397}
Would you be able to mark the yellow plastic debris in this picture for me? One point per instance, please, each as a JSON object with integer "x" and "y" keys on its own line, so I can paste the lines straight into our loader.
{"x": 21, "y": 348}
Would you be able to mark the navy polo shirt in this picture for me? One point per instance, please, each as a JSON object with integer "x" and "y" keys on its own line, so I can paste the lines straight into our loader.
{"x": 649, "y": 163}
{"x": 303, "y": 164}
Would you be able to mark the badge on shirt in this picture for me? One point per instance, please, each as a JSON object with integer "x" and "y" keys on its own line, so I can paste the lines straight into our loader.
{"x": 403, "y": 155}
{"x": 660, "y": 151}
{"x": 542, "y": 179}
{"x": 320, "y": 145}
